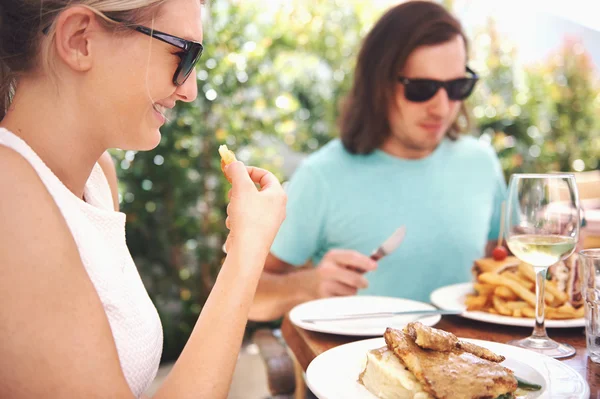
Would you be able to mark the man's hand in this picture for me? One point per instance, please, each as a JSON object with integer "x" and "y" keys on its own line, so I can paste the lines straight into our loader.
{"x": 340, "y": 273}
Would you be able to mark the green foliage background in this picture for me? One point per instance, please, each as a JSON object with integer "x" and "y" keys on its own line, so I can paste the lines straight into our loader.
{"x": 277, "y": 74}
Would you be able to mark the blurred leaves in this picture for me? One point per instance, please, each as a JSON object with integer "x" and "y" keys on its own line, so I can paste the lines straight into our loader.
{"x": 540, "y": 118}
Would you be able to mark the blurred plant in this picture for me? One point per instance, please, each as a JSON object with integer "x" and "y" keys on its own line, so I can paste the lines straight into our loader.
{"x": 276, "y": 75}
{"x": 539, "y": 118}
{"x": 573, "y": 141}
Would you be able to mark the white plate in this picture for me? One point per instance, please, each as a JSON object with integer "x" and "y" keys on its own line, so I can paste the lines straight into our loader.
{"x": 453, "y": 297}
{"x": 337, "y": 306}
{"x": 334, "y": 373}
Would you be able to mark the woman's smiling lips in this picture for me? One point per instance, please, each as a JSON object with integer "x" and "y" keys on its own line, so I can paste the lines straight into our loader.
{"x": 160, "y": 110}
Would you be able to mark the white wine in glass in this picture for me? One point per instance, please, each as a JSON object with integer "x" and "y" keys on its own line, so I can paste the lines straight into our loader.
{"x": 542, "y": 228}
{"x": 542, "y": 250}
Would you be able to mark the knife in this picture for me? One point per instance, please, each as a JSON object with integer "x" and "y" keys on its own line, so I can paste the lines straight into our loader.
{"x": 389, "y": 245}
{"x": 426, "y": 312}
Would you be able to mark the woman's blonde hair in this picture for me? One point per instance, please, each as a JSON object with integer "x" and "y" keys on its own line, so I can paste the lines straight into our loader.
{"x": 22, "y": 23}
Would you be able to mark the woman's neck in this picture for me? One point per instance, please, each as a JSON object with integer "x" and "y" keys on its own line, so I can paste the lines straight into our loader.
{"x": 57, "y": 130}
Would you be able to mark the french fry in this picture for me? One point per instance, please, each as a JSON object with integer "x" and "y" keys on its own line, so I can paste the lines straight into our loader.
{"x": 484, "y": 289}
{"x": 555, "y": 315}
{"x": 516, "y": 304}
{"x": 512, "y": 293}
{"x": 525, "y": 283}
{"x": 518, "y": 289}
{"x": 527, "y": 271}
{"x": 476, "y": 302}
{"x": 555, "y": 303}
{"x": 528, "y": 312}
{"x": 523, "y": 279}
{"x": 567, "y": 308}
{"x": 560, "y": 296}
{"x": 227, "y": 157}
{"x": 549, "y": 298}
{"x": 500, "y": 306}
{"x": 526, "y": 277}
{"x": 505, "y": 293}
{"x": 566, "y": 311}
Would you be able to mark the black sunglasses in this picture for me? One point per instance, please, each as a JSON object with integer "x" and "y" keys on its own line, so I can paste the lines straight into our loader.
{"x": 421, "y": 90}
{"x": 189, "y": 55}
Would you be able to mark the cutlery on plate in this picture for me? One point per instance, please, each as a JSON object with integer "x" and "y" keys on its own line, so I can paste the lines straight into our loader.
{"x": 424, "y": 312}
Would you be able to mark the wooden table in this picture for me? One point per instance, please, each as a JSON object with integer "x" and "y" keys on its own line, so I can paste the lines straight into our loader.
{"x": 306, "y": 345}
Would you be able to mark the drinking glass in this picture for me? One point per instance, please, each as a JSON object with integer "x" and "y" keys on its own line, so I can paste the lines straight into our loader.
{"x": 542, "y": 228}
{"x": 590, "y": 262}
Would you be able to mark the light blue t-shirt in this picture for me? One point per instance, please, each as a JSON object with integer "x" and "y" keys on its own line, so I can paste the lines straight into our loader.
{"x": 449, "y": 202}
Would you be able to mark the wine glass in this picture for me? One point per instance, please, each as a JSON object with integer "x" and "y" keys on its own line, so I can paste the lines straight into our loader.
{"x": 542, "y": 228}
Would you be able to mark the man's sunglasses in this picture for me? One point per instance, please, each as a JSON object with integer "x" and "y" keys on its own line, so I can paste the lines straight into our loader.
{"x": 188, "y": 57}
{"x": 421, "y": 90}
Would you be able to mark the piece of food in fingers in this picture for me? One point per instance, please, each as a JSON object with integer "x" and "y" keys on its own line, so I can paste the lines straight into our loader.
{"x": 227, "y": 157}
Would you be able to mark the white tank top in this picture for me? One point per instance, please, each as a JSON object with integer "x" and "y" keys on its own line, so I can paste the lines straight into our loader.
{"x": 99, "y": 233}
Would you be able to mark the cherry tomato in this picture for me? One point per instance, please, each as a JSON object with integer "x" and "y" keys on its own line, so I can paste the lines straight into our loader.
{"x": 499, "y": 253}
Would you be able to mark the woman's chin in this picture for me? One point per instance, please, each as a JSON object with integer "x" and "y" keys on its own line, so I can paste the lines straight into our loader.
{"x": 151, "y": 135}
{"x": 147, "y": 140}
{"x": 153, "y": 140}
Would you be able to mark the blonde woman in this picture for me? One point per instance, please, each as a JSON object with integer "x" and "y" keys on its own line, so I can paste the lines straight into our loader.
{"x": 79, "y": 77}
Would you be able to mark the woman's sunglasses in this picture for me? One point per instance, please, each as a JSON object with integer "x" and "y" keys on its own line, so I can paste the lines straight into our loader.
{"x": 188, "y": 57}
{"x": 421, "y": 90}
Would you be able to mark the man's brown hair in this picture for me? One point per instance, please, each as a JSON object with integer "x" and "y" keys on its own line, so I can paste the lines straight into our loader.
{"x": 364, "y": 122}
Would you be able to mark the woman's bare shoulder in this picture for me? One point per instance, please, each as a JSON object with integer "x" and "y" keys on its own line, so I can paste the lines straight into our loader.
{"x": 18, "y": 179}
{"x": 51, "y": 315}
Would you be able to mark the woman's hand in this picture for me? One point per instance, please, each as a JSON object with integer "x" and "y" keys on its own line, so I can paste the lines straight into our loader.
{"x": 253, "y": 215}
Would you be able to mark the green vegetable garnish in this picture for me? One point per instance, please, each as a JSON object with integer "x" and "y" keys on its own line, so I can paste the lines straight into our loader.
{"x": 527, "y": 386}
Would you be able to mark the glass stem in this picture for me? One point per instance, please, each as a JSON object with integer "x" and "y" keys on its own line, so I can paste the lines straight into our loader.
{"x": 539, "y": 331}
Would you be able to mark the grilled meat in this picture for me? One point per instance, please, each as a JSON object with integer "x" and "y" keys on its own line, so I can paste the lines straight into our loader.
{"x": 431, "y": 338}
{"x": 454, "y": 374}
{"x": 478, "y": 351}
{"x": 438, "y": 340}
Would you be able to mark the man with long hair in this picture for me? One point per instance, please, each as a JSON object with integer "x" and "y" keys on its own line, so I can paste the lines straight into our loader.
{"x": 400, "y": 161}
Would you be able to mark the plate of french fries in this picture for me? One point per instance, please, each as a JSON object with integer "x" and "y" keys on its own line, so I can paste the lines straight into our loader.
{"x": 508, "y": 297}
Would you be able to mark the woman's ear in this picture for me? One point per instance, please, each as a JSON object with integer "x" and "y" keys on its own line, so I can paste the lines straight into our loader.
{"x": 73, "y": 33}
